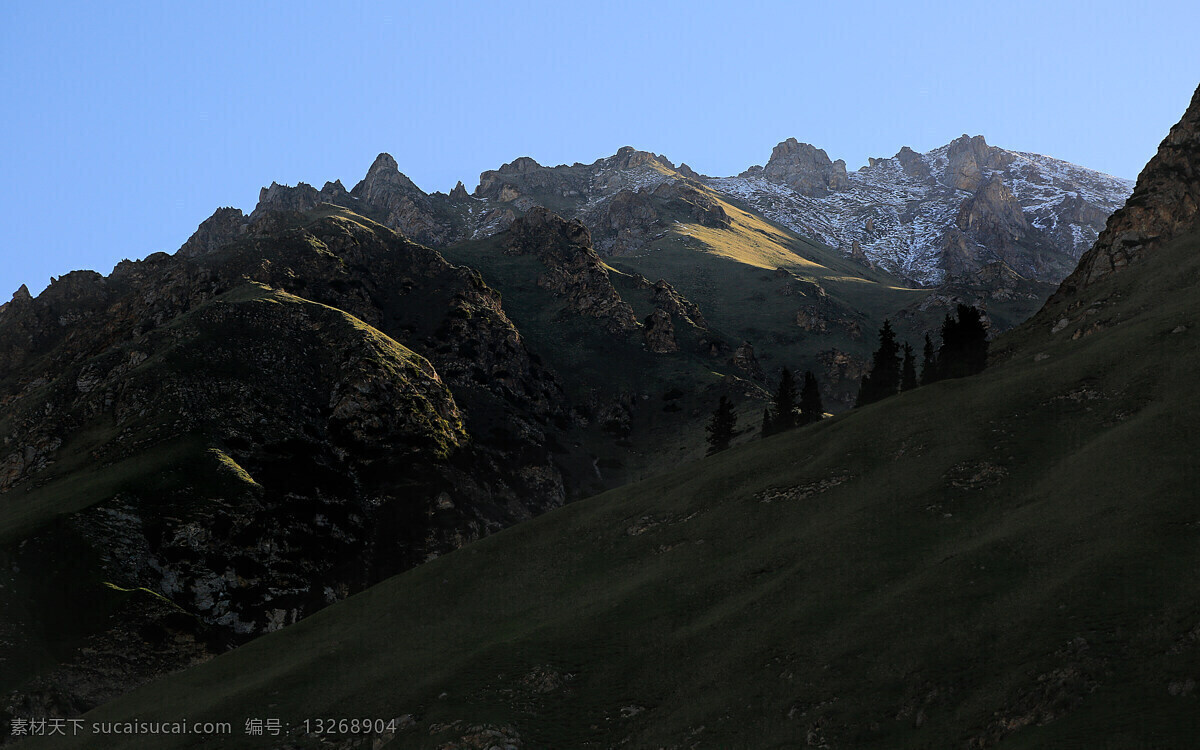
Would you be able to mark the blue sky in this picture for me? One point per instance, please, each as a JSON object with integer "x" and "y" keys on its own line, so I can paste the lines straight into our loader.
{"x": 127, "y": 124}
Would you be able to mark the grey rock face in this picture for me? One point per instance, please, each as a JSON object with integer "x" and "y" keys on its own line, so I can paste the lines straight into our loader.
{"x": 1165, "y": 202}
{"x": 806, "y": 169}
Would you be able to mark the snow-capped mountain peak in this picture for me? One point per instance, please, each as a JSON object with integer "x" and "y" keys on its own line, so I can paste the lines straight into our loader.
{"x": 945, "y": 213}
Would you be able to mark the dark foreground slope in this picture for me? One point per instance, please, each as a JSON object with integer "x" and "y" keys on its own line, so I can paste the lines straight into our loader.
{"x": 1011, "y": 558}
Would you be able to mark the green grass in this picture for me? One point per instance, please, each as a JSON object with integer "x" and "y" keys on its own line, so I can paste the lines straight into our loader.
{"x": 1016, "y": 549}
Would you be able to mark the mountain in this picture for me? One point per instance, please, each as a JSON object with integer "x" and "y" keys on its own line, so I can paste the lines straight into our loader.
{"x": 939, "y": 216}
{"x": 1002, "y": 559}
{"x": 648, "y": 218}
{"x": 931, "y": 218}
{"x": 208, "y": 446}
{"x": 205, "y": 447}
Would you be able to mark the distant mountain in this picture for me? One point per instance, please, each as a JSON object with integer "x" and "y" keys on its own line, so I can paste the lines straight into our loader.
{"x": 939, "y": 216}
{"x": 929, "y": 219}
{"x": 948, "y": 221}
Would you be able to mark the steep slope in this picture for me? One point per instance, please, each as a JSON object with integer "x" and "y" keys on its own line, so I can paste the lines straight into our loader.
{"x": 1165, "y": 203}
{"x": 894, "y": 577}
{"x": 242, "y": 435}
{"x": 641, "y": 367}
{"x": 937, "y": 216}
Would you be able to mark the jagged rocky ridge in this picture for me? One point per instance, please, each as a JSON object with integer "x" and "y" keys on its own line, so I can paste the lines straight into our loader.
{"x": 928, "y": 218}
{"x": 938, "y": 216}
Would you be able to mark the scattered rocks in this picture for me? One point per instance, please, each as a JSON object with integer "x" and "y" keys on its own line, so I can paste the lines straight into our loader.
{"x": 975, "y": 475}
{"x": 801, "y": 491}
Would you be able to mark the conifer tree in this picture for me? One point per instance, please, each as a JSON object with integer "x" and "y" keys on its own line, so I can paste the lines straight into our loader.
{"x": 964, "y": 344}
{"x": 908, "y": 370}
{"x": 948, "y": 353}
{"x": 783, "y": 409}
{"x": 811, "y": 408}
{"x": 767, "y": 427}
{"x": 884, "y": 378}
{"x": 720, "y": 427}
{"x": 974, "y": 338}
{"x": 929, "y": 364}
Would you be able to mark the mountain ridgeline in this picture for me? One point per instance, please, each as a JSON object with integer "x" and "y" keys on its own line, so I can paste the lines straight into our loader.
{"x": 203, "y": 448}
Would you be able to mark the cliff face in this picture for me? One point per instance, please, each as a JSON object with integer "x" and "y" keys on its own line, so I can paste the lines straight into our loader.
{"x": 573, "y": 270}
{"x": 806, "y": 169}
{"x": 1163, "y": 204}
{"x": 927, "y": 218}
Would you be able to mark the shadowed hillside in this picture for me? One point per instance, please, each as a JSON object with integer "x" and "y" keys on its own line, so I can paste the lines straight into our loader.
{"x": 1008, "y": 559}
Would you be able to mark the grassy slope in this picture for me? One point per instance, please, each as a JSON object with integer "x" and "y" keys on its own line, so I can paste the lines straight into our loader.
{"x": 1013, "y": 550}
{"x": 730, "y": 275}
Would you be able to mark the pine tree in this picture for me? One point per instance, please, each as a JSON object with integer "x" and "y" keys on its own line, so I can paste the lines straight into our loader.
{"x": 767, "y": 427}
{"x": 964, "y": 344}
{"x": 974, "y": 338}
{"x": 929, "y": 364}
{"x": 950, "y": 352}
{"x": 720, "y": 427}
{"x": 908, "y": 370}
{"x": 884, "y": 378}
{"x": 811, "y": 408}
{"x": 783, "y": 409}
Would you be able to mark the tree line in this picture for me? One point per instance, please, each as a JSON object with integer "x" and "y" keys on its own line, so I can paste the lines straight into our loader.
{"x": 962, "y": 352}
{"x": 788, "y": 409}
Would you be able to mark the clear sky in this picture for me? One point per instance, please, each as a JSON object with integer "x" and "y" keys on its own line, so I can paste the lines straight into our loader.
{"x": 125, "y": 125}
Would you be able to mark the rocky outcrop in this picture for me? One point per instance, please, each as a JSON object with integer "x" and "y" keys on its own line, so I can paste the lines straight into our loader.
{"x": 626, "y": 223}
{"x": 744, "y": 360}
{"x": 402, "y": 205}
{"x": 577, "y": 185}
{"x": 842, "y": 374}
{"x": 630, "y": 219}
{"x": 968, "y": 158}
{"x": 912, "y": 163}
{"x": 991, "y": 227}
{"x": 993, "y": 211}
{"x": 664, "y": 297}
{"x": 806, "y": 169}
{"x": 822, "y": 315}
{"x": 303, "y": 197}
{"x": 524, "y": 175}
{"x": 225, "y": 226}
{"x": 658, "y": 331}
{"x": 573, "y": 269}
{"x": 1163, "y": 204}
